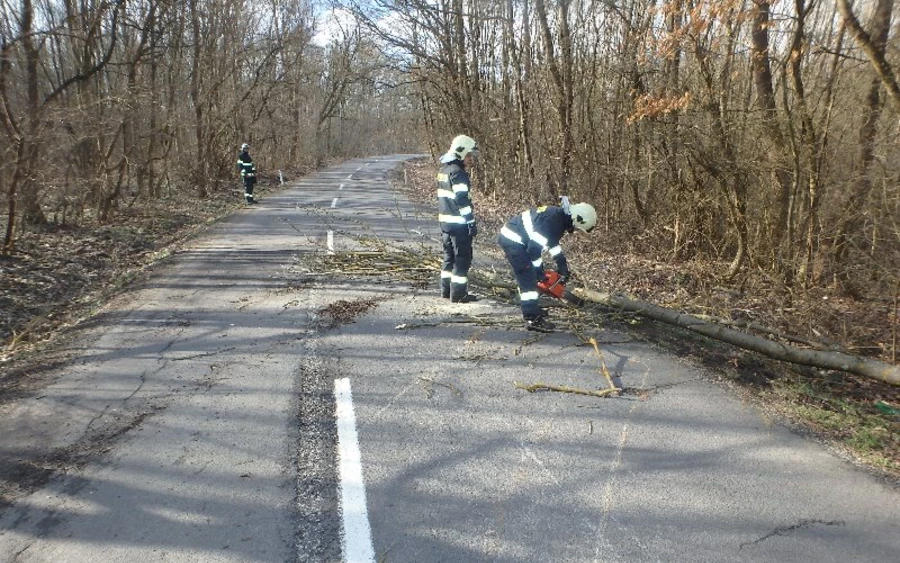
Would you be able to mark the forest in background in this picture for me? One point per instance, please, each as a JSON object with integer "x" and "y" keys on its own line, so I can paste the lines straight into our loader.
{"x": 759, "y": 138}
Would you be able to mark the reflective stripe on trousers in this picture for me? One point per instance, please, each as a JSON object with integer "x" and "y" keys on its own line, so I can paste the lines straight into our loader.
{"x": 456, "y": 264}
{"x": 526, "y": 277}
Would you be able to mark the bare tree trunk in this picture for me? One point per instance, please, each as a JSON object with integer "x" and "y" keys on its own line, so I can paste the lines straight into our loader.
{"x": 684, "y": 208}
{"x": 201, "y": 177}
{"x": 811, "y": 150}
{"x": 874, "y": 44}
{"x": 780, "y": 230}
{"x": 25, "y": 131}
{"x": 12, "y": 131}
{"x": 9, "y": 240}
{"x": 135, "y": 153}
{"x": 521, "y": 76}
{"x": 851, "y": 227}
{"x": 32, "y": 213}
{"x": 561, "y": 69}
{"x": 727, "y": 173}
{"x": 147, "y": 175}
{"x": 428, "y": 119}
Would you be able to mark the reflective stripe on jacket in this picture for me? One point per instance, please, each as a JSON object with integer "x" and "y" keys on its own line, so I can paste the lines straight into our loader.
{"x": 455, "y": 210}
{"x": 538, "y": 230}
{"x": 245, "y": 165}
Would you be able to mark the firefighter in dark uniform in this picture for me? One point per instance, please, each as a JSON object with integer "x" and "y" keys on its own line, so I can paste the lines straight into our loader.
{"x": 457, "y": 219}
{"x": 248, "y": 172}
{"x": 526, "y": 236}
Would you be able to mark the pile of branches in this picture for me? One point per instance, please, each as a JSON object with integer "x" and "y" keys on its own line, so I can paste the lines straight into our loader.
{"x": 398, "y": 265}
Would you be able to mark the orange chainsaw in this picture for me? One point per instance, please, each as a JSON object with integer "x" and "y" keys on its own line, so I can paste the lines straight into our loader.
{"x": 553, "y": 285}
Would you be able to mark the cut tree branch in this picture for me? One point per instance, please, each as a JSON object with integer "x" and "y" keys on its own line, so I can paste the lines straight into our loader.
{"x": 533, "y": 387}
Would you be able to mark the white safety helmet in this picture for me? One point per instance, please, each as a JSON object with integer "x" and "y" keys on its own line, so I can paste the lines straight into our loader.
{"x": 462, "y": 145}
{"x": 584, "y": 217}
{"x": 245, "y": 147}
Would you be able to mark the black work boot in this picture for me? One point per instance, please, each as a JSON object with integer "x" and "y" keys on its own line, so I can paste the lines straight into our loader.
{"x": 467, "y": 298}
{"x": 539, "y": 324}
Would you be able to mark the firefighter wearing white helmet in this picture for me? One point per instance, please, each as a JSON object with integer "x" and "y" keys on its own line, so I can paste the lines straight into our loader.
{"x": 526, "y": 236}
{"x": 248, "y": 172}
{"x": 457, "y": 218}
{"x": 584, "y": 216}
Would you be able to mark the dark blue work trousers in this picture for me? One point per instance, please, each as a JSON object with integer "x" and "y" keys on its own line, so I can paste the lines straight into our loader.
{"x": 526, "y": 276}
{"x": 457, "y": 261}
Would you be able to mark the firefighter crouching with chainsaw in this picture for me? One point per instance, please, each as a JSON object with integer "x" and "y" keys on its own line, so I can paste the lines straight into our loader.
{"x": 457, "y": 218}
{"x": 526, "y": 236}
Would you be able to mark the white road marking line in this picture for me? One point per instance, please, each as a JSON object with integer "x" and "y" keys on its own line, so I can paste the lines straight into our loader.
{"x": 350, "y": 177}
{"x": 330, "y": 242}
{"x": 617, "y": 464}
{"x": 537, "y": 460}
{"x": 334, "y": 202}
{"x": 357, "y": 538}
{"x": 341, "y": 187}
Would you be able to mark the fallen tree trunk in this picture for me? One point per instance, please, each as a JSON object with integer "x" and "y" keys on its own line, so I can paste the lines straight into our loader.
{"x": 823, "y": 359}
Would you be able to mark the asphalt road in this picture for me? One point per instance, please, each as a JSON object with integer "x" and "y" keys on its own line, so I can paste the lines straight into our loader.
{"x": 283, "y": 389}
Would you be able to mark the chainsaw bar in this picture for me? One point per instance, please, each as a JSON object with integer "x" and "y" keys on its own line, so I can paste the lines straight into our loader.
{"x": 570, "y": 297}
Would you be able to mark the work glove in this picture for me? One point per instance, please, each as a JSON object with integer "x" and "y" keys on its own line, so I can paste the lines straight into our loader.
{"x": 564, "y": 277}
{"x": 473, "y": 230}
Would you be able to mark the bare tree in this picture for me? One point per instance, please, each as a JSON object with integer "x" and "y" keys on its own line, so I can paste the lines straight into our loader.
{"x": 24, "y": 128}
{"x": 851, "y": 228}
{"x": 874, "y": 43}
{"x": 780, "y": 229}
{"x": 561, "y": 70}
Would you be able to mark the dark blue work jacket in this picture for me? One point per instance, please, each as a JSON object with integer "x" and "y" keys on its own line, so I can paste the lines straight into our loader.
{"x": 455, "y": 211}
{"x": 246, "y": 166}
{"x": 538, "y": 230}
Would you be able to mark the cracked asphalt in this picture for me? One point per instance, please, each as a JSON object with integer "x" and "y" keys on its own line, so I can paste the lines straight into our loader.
{"x": 195, "y": 421}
